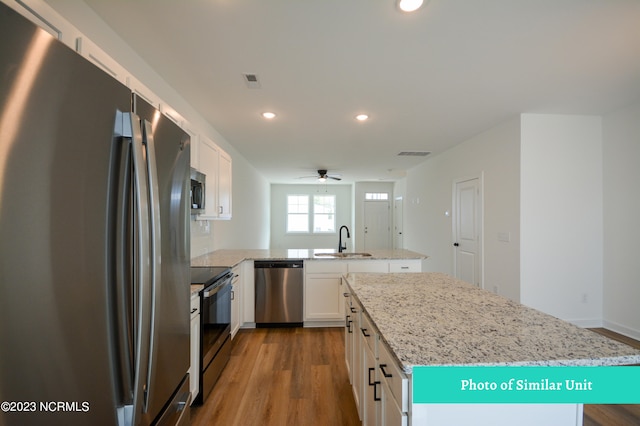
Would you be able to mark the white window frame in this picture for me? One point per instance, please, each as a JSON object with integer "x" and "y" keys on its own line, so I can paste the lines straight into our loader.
{"x": 289, "y": 214}
{"x": 315, "y": 214}
{"x": 311, "y": 214}
{"x": 376, "y": 196}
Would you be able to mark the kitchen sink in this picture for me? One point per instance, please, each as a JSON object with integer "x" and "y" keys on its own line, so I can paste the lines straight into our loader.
{"x": 343, "y": 254}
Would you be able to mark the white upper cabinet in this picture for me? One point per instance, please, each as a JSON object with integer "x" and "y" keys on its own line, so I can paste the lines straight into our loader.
{"x": 224, "y": 185}
{"x": 211, "y": 160}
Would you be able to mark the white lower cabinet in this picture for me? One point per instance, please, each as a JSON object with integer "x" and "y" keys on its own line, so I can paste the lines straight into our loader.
{"x": 194, "y": 366}
{"x": 323, "y": 293}
{"x": 380, "y": 388}
{"x": 236, "y": 300}
{"x": 356, "y": 355}
{"x": 371, "y": 387}
{"x": 392, "y": 415}
{"x": 248, "y": 312}
{"x": 323, "y": 305}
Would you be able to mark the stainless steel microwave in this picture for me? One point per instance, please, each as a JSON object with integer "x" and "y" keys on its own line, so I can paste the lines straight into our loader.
{"x": 197, "y": 191}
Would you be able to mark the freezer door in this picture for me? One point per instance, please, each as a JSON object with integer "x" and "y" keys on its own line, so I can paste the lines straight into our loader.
{"x": 57, "y": 114}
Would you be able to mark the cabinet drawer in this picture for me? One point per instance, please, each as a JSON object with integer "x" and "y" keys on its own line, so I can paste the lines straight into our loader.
{"x": 405, "y": 266}
{"x": 396, "y": 380}
{"x": 195, "y": 305}
{"x": 378, "y": 266}
{"x": 369, "y": 333}
{"x": 325, "y": 267}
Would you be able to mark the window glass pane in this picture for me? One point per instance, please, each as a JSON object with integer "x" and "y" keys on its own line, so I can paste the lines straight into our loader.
{"x": 297, "y": 213}
{"x": 376, "y": 196}
{"x": 324, "y": 218}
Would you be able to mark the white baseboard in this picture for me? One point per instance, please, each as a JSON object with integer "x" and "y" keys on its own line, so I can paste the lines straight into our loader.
{"x": 586, "y": 323}
{"x": 618, "y": 328}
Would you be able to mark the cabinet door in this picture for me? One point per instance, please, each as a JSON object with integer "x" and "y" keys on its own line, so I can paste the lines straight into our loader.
{"x": 224, "y": 185}
{"x": 236, "y": 306}
{"x": 248, "y": 293}
{"x": 391, "y": 413}
{"x": 371, "y": 388}
{"x": 208, "y": 162}
{"x": 356, "y": 359}
{"x": 348, "y": 330}
{"x": 323, "y": 297}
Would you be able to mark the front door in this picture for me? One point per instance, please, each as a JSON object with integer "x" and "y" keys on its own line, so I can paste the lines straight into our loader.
{"x": 467, "y": 224}
{"x": 376, "y": 225}
{"x": 398, "y": 242}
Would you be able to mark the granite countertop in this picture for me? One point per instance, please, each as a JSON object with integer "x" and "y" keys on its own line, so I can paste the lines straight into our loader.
{"x": 435, "y": 319}
{"x": 196, "y": 288}
{"x": 232, "y": 258}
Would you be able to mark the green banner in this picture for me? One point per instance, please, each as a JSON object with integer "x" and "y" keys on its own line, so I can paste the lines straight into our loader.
{"x": 535, "y": 385}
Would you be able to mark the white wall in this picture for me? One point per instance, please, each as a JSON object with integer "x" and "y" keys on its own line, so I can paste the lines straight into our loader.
{"x": 561, "y": 221}
{"x": 250, "y": 224}
{"x": 427, "y": 194}
{"x": 621, "y": 169}
{"x": 281, "y": 240}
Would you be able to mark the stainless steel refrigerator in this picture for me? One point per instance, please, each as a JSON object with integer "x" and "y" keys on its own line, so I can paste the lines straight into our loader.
{"x": 94, "y": 243}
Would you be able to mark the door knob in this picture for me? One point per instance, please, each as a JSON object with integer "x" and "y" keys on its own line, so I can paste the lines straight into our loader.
{"x": 456, "y": 244}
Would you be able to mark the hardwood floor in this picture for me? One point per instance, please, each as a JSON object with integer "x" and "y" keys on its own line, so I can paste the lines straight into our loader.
{"x": 297, "y": 376}
{"x": 613, "y": 415}
{"x": 282, "y": 376}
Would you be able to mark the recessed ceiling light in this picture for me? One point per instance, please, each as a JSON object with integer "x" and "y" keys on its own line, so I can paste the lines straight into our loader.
{"x": 409, "y": 5}
{"x": 269, "y": 115}
{"x": 362, "y": 117}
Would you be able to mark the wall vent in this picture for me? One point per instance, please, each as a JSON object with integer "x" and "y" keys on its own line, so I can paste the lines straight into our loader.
{"x": 251, "y": 80}
{"x": 414, "y": 153}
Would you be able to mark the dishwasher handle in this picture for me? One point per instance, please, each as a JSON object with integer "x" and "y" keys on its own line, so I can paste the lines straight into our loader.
{"x": 259, "y": 264}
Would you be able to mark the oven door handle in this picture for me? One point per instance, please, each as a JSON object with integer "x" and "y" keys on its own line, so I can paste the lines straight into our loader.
{"x": 210, "y": 291}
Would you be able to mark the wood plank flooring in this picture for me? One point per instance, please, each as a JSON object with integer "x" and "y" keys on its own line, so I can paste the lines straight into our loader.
{"x": 282, "y": 376}
{"x": 613, "y": 415}
{"x": 297, "y": 376}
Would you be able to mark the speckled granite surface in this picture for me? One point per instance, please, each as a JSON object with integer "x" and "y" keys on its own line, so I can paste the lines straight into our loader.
{"x": 434, "y": 319}
{"x": 233, "y": 257}
{"x": 196, "y": 288}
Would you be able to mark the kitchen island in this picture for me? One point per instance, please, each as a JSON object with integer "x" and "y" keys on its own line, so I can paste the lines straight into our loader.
{"x": 432, "y": 319}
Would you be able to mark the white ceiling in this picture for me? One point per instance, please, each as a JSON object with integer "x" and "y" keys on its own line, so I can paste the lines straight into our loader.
{"x": 428, "y": 80}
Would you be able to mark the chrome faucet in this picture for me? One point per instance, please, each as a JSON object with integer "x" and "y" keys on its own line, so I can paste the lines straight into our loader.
{"x": 342, "y": 247}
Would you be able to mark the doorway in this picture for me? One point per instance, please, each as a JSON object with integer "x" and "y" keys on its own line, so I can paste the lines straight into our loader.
{"x": 398, "y": 242}
{"x": 467, "y": 230}
{"x": 376, "y": 225}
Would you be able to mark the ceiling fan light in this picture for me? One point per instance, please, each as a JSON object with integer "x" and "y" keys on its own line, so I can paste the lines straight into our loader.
{"x": 322, "y": 179}
{"x": 409, "y": 5}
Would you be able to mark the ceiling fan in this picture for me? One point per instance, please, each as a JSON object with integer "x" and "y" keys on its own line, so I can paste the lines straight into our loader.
{"x": 322, "y": 176}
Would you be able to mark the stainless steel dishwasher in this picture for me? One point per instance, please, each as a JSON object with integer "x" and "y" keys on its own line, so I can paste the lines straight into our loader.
{"x": 278, "y": 293}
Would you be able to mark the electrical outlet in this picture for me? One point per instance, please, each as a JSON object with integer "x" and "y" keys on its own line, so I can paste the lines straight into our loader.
{"x": 495, "y": 289}
{"x": 584, "y": 297}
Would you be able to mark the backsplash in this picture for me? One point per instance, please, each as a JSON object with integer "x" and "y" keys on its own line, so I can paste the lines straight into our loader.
{"x": 201, "y": 237}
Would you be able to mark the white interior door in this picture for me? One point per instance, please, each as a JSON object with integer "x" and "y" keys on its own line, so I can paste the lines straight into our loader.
{"x": 398, "y": 242}
{"x": 467, "y": 223}
{"x": 376, "y": 225}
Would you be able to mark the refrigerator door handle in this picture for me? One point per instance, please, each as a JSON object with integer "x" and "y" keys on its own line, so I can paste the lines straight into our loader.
{"x": 155, "y": 246}
{"x": 143, "y": 275}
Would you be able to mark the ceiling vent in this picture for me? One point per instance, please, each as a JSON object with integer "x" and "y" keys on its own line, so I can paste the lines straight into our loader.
{"x": 414, "y": 153}
{"x": 251, "y": 80}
